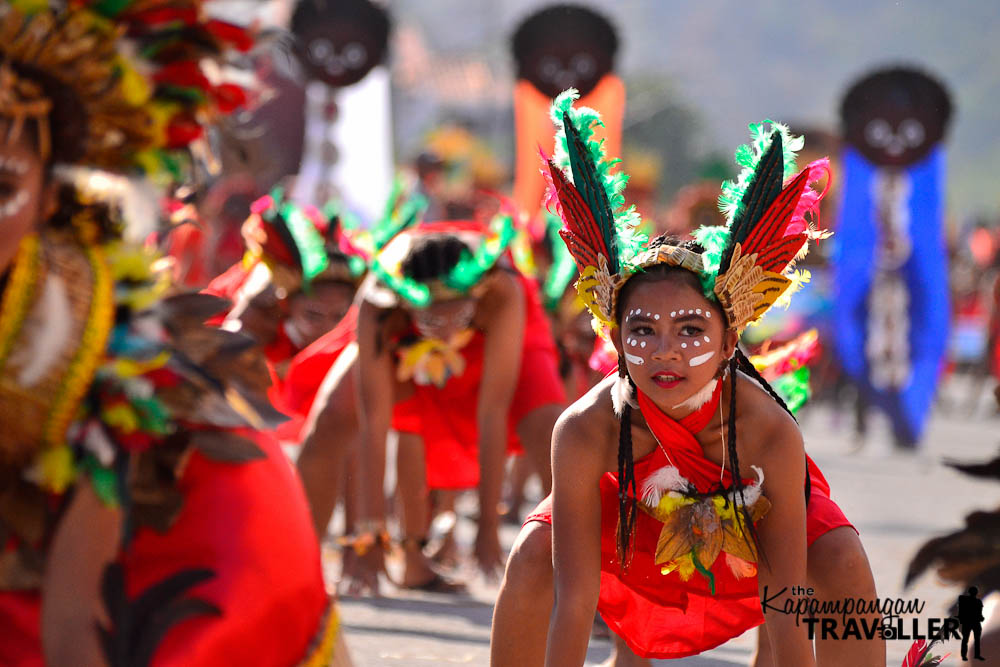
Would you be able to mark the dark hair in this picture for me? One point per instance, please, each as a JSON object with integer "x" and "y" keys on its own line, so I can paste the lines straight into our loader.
{"x": 627, "y": 504}
{"x": 433, "y": 256}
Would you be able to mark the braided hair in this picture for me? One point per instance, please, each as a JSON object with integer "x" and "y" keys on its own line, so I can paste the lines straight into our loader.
{"x": 627, "y": 504}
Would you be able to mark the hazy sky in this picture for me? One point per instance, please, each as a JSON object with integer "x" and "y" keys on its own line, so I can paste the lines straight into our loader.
{"x": 736, "y": 62}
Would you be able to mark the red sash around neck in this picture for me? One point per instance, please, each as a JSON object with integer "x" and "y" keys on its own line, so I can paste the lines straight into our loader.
{"x": 677, "y": 438}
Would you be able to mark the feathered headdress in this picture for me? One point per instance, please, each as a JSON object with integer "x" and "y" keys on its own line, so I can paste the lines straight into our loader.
{"x": 486, "y": 244}
{"x": 393, "y": 237}
{"x": 298, "y": 245}
{"x": 114, "y": 85}
{"x": 747, "y": 265}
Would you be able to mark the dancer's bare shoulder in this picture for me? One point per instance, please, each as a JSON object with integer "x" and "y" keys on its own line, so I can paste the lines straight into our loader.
{"x": 772, "y": 434}
{"x": 588, "y": 429}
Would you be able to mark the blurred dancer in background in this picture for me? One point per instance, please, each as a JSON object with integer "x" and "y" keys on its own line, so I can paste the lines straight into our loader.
{"x": 128, "y": 425}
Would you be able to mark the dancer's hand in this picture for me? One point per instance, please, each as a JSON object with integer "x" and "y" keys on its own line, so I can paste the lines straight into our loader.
{"x": 488, "y": 553}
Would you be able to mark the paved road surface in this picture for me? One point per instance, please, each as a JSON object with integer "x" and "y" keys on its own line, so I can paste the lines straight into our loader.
{"x": 895, "y": 500}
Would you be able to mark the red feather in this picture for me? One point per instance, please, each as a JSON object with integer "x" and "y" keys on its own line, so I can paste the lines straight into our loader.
{"x": 582, "y": 254}
{"x": 579, "y": 220}
{"x": 919, "y": 651}
{"x": 771, "y": 227}
{"x": 775, "y": 258}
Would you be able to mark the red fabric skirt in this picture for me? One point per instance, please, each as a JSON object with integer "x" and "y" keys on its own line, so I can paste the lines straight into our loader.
{"x": 661, "y": 616}
{"x": 250, "y": 524}
{"x": 446, "y": 417}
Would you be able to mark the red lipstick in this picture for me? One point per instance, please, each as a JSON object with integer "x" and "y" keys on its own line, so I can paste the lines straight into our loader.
{"x": 667, "y": 380}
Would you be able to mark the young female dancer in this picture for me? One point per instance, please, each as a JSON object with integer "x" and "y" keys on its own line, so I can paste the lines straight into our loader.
{"x": 682, "y": 495}
{"x": 454, "y": 353}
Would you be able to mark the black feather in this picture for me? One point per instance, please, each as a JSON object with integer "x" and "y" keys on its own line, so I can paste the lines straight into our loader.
{"x": 587, "y": 182}
{"x": 765, "y": 186}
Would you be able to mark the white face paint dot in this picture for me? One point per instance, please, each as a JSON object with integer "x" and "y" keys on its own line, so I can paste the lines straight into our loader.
{"x": 649, "y": 314}
{"x": 656, "y": 317}
{"x": 673, "y": 313}
{"x": 697, "y": 343}
{"x": 684, "y": 346}
{"x": 698, "y": 310}
{"x": 708, "y": 313}
{"x": 707, "y": 339}
{"x": 642, "y": 344}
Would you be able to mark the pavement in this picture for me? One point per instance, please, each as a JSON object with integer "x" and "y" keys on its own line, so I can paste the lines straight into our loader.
{"x": 896, "y": 500}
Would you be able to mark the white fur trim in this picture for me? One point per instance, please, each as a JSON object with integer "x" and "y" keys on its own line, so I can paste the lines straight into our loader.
{"x": 700, "y": 398}
{"x": 668, "y": 478}
{"x": 752, "y": 493}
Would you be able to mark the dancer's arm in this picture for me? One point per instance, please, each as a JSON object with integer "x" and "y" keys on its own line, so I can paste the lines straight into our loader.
{"x": 502, "y": 319}
{"x": 577, "y": 466}
{"x": 374, "y": 381}
{"x": 85, "y": 543}
{"x": 782, "y": 534}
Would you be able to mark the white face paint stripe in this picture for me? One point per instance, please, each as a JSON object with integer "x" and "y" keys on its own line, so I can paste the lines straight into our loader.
{"x": 701, "y": 358}
{"x": 19, "y": 167}
{"x": 14, "y": 205}
{"x": 632, "y": 359}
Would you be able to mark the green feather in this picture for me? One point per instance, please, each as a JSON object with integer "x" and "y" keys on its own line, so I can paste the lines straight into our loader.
{"x": 415, "y": 292}
{"x": 629, "y": 241}
{"x": 103, "y": 480}
{"x": 749, "y": 155}
{"x": 311, "y": 247}
{"x": 705, "y": 571}
{"x": 714, "y": 240}
{"x": 472, "y": 266}
{"x": 793, "y": 387}
{"x": 399, "y": 214}
{"x": 563, "y": 268}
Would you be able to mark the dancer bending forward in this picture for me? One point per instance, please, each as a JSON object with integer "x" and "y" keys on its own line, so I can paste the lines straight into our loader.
{"x": 681, "y": 490}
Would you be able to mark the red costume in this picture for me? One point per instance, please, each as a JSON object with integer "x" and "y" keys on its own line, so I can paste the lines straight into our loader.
{"x": 662, "y": 615}
{"x": 446, "y": 417}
